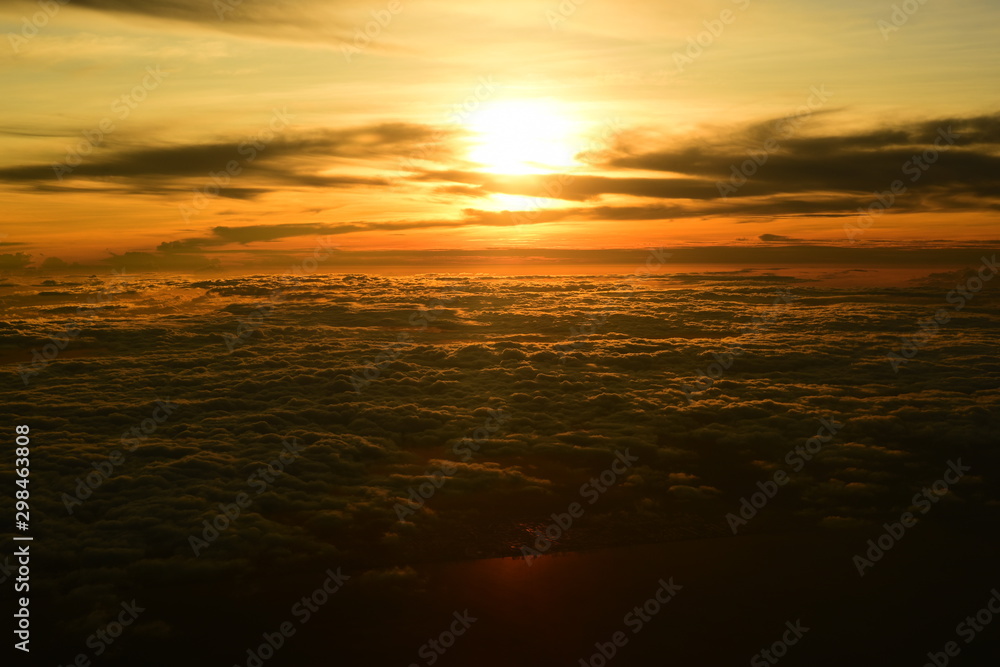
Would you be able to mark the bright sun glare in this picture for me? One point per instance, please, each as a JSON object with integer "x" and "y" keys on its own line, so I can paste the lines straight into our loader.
{"x": 523, "y": 137}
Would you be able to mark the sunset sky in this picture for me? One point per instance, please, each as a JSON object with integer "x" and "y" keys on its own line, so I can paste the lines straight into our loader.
{"x": 523, "y": 124}
{"x": 462, "y": 261}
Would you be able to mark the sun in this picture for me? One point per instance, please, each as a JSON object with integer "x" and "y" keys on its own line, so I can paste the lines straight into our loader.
{"x": 523, "y": 137}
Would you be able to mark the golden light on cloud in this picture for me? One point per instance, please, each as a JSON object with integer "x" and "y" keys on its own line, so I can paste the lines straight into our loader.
{"x": 424, "y": 275}
{"x": 524, "y": 137}
{"x": 504, "y": 202}
{"x": 608, "y": 123}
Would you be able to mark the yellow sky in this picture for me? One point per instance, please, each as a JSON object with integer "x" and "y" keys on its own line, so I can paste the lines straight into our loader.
{"x": 225, "y": 130}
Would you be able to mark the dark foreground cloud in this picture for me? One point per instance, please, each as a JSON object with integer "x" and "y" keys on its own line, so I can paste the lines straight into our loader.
{"x": 384, "y": 382}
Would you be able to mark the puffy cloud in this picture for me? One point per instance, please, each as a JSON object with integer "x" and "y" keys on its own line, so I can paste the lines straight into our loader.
{"x": 366, "y": 445}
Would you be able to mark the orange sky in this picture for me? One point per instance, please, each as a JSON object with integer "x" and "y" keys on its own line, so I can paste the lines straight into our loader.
{"x": 194, "y": 132}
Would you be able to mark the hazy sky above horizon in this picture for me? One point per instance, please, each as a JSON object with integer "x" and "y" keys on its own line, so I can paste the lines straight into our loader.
{"x": 519, "y": 124}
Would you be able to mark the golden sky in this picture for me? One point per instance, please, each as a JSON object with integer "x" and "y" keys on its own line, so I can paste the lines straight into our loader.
{"x": 191, "y": 130}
